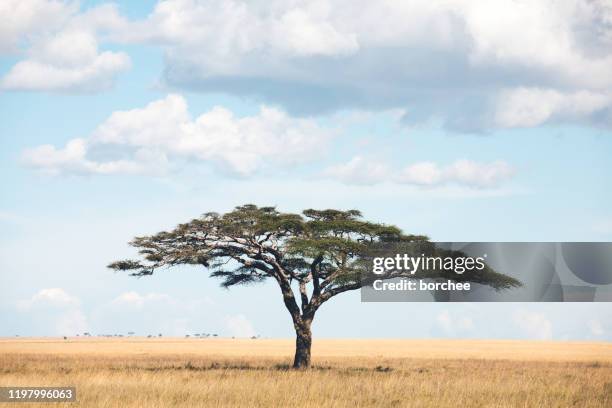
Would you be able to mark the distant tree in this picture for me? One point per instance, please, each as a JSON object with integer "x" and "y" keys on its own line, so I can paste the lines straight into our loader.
{"x": 312, "y": 256}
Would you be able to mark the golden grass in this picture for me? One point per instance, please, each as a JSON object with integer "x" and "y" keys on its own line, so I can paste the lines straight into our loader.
{"x": 140, "y": 372}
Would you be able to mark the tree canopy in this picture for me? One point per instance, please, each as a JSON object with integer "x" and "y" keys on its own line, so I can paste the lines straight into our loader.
{"x": 319, "y": 252}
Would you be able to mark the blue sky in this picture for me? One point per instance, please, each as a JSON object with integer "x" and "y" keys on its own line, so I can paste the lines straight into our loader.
{"x": 121, "y": 120}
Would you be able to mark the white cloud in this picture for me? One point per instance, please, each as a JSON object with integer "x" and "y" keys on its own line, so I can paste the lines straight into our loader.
{"x": 54, "y": 311}
{"x": 28, "y": 18}
{"x": 359, "y": 171}
{"x": 470, "y": 65}
{"x": 239, "y": 326}
{"x": 528, "y": 107}
{"x": 438, "y": 59}
{"x": 148, "y": 138}
{"x": 64, "y": 55}
{"x": 49, "y": 297}
{"x": 424, "y": 173}
{"x": 93, "y": 75}
{"x": 305, "y": 31}
{"x": 478, "y": 174}
{"x": 73, "y": 159}
{"x": 533, "y": 324}
{"x": 427, "y": 174}
{"x": 302, "y": 29}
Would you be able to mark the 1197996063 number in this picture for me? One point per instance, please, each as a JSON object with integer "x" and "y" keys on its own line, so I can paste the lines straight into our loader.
{"x": 28, "y": 394}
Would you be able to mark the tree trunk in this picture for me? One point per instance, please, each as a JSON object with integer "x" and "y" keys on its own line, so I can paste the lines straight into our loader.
{"x": 303, "y": 341}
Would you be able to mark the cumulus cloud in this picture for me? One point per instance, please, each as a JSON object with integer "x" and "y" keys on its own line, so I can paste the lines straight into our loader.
{"x": 241, "y": 28}
{"x": 95, "y": 74}
{"x": 534, "y": 325}
{"x": 528, "y": 107}
{"x": 54, "y": 311}
{"x": 465, "y": 172}
{"x": 143, "y": 141}
{"x": 468, "y": 65}
{"x": 28, "y": 18}
{"x": 359, "y": 170}
{"x": 468, "y": 173}
{"x": 61, "y": 46}
{"x": 73, "y": 159}
{"x": 450, "y": 61}
{"x": 49, "y": 297}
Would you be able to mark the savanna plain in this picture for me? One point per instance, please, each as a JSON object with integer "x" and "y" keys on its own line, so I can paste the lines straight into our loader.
{"x": 215, "y": 372}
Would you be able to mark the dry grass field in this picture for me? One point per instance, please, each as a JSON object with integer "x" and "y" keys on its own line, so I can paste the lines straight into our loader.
{"x": 139, "y": 372}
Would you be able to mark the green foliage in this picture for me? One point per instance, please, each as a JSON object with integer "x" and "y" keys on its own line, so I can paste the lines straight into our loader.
{"x": 325, "y": 249}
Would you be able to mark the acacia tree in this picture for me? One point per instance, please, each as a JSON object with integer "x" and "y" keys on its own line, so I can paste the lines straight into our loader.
{"x": 312, "y": 256}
